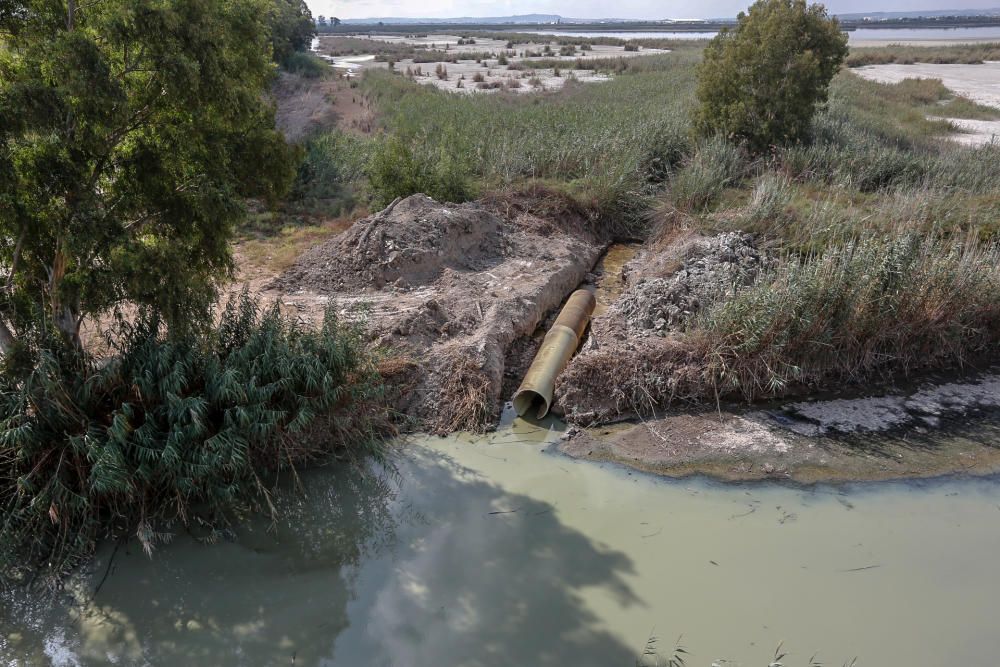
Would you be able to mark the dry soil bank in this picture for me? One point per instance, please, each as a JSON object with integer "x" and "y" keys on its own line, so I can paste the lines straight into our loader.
{"x": 455, "y": 298}
{"x": 446, "y": 290}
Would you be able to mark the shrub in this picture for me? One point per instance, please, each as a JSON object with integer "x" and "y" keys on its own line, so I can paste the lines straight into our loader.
{"x": 168, "y": 430}
{"x": 478, "y": 77}
{"x": 305, "y": 65}
{"x": 762, "y": 81}
{"x": 332, "y": 164}
{"x": 568, "y": 50}
{"x": 400, "y": 168}
{"x": 441, "y": 72}
{"x": 631, "y": 47}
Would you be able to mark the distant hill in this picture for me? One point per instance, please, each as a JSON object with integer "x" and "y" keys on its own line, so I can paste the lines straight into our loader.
{"x": 548, "y": 19}
{"x": 927, "y": 13}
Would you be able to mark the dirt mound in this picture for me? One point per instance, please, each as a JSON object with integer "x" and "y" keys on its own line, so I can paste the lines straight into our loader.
{"x": 713, "y": 268}
{"x": 408, "y": 244}
{"x": 636, "y": 352}
{"x": 445, "y": 291}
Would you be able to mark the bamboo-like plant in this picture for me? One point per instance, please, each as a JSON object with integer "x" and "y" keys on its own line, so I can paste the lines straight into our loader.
{"x": 167, "y": 429}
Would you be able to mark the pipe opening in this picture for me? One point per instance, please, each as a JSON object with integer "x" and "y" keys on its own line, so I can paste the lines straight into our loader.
{"x": 527, "y": 402}
{"x": 558, "y": 346}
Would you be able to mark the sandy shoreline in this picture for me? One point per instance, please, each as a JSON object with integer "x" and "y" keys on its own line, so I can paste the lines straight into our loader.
{"x": 979, "y": 83}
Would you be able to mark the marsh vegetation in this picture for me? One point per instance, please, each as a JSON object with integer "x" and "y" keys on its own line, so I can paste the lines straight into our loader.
{"x": 873, "y": 216}
{"x": 880, "y": 237}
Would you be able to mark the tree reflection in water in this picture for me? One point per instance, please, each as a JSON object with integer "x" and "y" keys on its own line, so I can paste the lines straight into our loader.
{"x": 411, "y": 567}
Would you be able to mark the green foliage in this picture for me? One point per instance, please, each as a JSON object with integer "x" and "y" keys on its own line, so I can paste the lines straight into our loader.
{"x": 306, "y": 65}
{"x": 333, "y": 167}
{"x": 400, "y": 168}
{"x": 874, "y": 137}
{"x": 769, "y": 201}
{"x": 617, "y": 137}
{"x": 291, "y": 26}
{"x": 716, "y": 165}
{"x": 164, "y": 431}
{"x": 130, "y": 134}
{"x": 761, "y": 82}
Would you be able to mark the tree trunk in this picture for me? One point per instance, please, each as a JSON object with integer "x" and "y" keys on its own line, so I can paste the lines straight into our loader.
{"x": 64, "y": 316}
{"x": 6, "y": 338}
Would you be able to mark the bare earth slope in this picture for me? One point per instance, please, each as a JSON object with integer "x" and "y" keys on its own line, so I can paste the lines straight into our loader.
{"x": 447, "y": 288}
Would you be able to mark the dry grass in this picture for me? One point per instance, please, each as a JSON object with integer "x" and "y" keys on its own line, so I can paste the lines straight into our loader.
{"x": 465, "y": 400}
{"x": 906, "y": 55}
{"x": 278, "y": 248}
{"x": 861, "y": 310}
{"x": 866, "y": 311}
{"x": 639, "y": 379}
{"x": 304, "y": 105}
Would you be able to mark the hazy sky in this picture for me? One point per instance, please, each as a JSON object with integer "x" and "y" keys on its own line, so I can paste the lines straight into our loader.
{"x": 596, "y": 9}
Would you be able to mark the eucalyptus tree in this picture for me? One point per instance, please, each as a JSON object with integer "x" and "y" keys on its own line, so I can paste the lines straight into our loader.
{"x": 131, "y": 133}
{"x": 292, "y": 27}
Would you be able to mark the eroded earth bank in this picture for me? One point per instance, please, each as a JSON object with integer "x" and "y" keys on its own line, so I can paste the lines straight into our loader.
{"x": 457, "y": 297}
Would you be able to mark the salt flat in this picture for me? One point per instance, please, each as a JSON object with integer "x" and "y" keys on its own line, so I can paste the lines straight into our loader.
{"x": 980, "y": 83}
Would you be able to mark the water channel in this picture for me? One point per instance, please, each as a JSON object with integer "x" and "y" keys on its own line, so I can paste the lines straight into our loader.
{"x": 496, "y": 550}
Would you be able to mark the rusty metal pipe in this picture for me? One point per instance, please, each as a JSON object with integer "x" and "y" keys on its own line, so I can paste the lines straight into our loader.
{"x": 557, "y": 349}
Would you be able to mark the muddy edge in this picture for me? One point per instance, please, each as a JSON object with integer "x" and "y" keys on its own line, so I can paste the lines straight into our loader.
{"x": 456, "y": 299}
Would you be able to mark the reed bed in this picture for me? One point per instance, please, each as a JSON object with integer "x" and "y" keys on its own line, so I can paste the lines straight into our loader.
{"x": 862, "y": 309}
{"x": 905, "y": 54}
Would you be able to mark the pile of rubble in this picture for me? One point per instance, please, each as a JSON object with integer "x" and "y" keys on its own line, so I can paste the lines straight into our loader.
{"x": 714, "y": 268}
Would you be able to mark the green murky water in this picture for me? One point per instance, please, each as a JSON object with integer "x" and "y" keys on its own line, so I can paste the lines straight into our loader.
{"x": 495, "y": 551}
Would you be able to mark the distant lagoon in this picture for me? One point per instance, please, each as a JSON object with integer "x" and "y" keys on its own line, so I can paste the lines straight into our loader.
{"x": 857, "y": 36}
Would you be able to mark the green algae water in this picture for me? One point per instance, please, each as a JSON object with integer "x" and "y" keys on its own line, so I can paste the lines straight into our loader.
{"x": 494, "y": 550}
